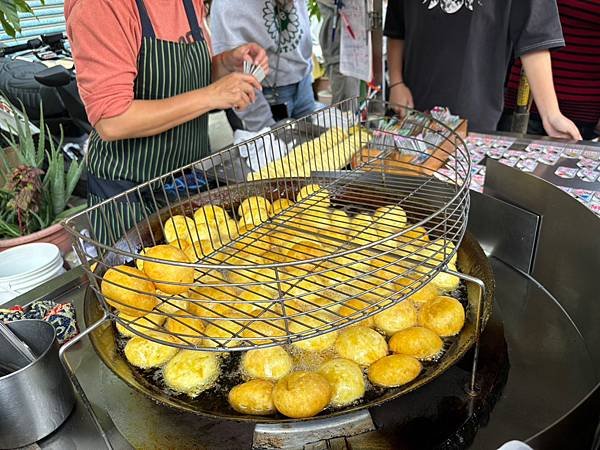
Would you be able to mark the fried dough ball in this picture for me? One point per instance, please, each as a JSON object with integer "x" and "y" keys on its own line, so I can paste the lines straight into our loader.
{"x": 446, "y": 282}
{"x": 418, "y": 342}
{"x": 346, "y": 380}
{"x": 301, "y": 394}
{"x": 170, "y": 304}
{"x": 308, "y": 295}
{"x": 394, "y": 371}
{"x": 270, "y": 363}
{"x": 179, "y": 228}
{"x": 389, "y": 219}
{"x": 222, "y": 331}
{"x": 422, "y": 294}
{"x": 398, "y": 317}
{"x": 340, "y": 221}
{"x": 443, "y": 315}
{"x": 192, "y": 372}
{"x": 210, "y": 215}
{"x": 352, "y": 307}
{"x": 139, "y": 263}
{"x": 165, "y": 273}
{"x": 141, "y": 324}
{"x": 361, "y": 222}
{"x": 303, "y": 250}
{"x": 129, "y": 291}
{"x": 251, "y": 220}
{"x": 281, "y": 205}
{"x": 314, "y": 195}
{"x": 147, "y": 354}
{"x": 362, "y": 345}
{"x": 255, "y": 242}
{"x": 205, "y": 296}
{"x": 187, "y": 328}
{"x": 416, "y": 237}
{"x": 254, "y": 397}
{"x": 200, "y": 249}
{"x": 254, "y": 204}
{"x": 303, "y": 324}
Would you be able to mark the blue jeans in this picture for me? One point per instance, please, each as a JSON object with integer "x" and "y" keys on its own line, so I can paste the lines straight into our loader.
{"x": 298, "y": 97}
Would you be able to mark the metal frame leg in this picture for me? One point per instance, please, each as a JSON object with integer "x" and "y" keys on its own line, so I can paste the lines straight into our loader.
{"x": 472, "y": 390}
{"x": 73, "y": 377}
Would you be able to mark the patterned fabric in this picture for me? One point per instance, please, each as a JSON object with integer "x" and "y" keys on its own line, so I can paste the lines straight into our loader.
{"x": 60, "y": 316}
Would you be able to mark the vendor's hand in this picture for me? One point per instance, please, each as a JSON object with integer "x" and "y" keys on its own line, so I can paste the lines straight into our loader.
{"x": 558, "y": 126}
{"x": 236, "y": 90}
{"x": 400, "y": 96}
{"x": 254, "y": 53}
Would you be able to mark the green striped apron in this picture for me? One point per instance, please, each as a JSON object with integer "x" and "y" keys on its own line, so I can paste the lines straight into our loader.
{"x": 165, "y": 69}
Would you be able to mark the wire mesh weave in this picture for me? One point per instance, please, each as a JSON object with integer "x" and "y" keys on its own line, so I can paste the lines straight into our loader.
{"x": 370, "y": 220}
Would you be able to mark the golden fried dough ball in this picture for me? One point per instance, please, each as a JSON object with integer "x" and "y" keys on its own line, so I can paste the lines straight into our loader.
{"x": 192, "y": 372}
{"x": 443, "y": 315}
{"x": 346, "y": 380}
{"x": 254, "y": 204}
{"x": 254, "y": 242}
{"x": 362, "y": 345}
{"x": 422, "y": 293}
{"x": 139, "y": 263}
{"x": 210, "y": 215}
{"x": 178, "y": 228}
{"x": 360, "y": 222}
{"x": 303, "y": 250}
{"x": 352, "y": 307}
{"x": 416, "y": 237}
{"x": 203, "y": 298}
{"x": 147, "y": 354}
{"x": 446, "y": 282}
{"x": 255, "y": 397}
{"x": 165, "y": 273}
{"x": 199, "y": 249}
{"x": 314, "y": 195}
{"x": 281, "y": 205}
{"x": 129, "y": 291}
{"x": 389, "y": 219}
{"x": 142, "y": 324}
{"x": 228, "y": 231}
{"x": 340, "y": 221}
{"x": 308, "y": 295}
{"x": 251, "y": 220}
{"x": 394, "y": 370}
{"x": 398, "y": 317}
{"x": 419, "y": 342}
{"x": 221, "y": 333}
{"x": 270, "y": 363}
{"x": 170, "y": 304}
{"x": 301, "y": 394}
{"x": 189, "y": 329}
{"x": 303, "y": 324}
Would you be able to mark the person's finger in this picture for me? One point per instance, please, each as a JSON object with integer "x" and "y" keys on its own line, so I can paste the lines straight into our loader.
{"x": 250, "y": 79}
{"x": 574, "y": 132}
{"x": 249, "y": 91}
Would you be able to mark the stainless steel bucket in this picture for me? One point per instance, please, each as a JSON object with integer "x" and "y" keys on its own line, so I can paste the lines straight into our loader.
{"x": 37, "y": 398}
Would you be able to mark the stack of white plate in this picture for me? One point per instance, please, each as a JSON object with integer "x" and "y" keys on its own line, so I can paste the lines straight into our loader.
{"x": 27, "y": 266}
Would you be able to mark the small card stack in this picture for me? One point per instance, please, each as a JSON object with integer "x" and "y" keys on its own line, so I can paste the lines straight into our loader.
{"x": 255, "y": 70}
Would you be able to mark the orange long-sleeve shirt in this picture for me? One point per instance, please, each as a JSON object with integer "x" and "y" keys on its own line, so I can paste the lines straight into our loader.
{"x": 106, "y": 36}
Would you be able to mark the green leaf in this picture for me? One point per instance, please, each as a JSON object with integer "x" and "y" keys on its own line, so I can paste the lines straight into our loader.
{"x": 41, "y": 150}
{"x": 70, "y": 212}
{"x": 8, "y": 27}
{"x": 73, "y": 175}
{"x": 9, "y": 8}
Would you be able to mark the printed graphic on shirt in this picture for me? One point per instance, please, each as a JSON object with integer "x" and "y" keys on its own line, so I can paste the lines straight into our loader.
{"x": 283, "y": 24}
{"x": 451, "y": 6}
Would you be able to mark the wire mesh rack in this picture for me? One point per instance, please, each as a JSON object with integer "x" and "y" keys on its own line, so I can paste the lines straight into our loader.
{"x": 348, "y": 214}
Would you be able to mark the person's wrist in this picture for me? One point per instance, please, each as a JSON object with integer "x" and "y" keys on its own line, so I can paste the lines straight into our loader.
{"x": 226, "y": 61}
{"x": 397, "y": 83}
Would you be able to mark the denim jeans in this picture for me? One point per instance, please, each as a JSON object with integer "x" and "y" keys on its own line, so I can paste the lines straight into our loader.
{"x": 298, "y": 97}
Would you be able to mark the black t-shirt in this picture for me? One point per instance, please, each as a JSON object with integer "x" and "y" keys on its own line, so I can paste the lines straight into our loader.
{"x": 457, "y": 51}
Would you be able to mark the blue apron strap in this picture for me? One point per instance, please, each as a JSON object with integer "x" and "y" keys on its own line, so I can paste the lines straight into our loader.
{"x": 147, "y": 28}
{"x": 193, "y": 20}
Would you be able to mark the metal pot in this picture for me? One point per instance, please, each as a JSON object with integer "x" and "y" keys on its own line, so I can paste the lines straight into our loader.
{"x": 38, "y": 397}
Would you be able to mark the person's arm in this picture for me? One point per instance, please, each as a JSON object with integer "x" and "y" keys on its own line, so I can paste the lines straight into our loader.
{"x": 400, "y": 94}
{"x": 538, "y": 68}
{"x": 151, "y": 117}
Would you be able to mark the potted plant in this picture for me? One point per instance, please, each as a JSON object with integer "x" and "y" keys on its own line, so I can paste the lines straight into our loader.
{"x": 35, "y": 188}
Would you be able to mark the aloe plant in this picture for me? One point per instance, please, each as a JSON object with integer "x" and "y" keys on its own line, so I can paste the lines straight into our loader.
{"x": 27, "y": 203}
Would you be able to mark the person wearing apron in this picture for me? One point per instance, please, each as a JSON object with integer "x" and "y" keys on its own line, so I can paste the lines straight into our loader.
{"x": 144, "y": 71}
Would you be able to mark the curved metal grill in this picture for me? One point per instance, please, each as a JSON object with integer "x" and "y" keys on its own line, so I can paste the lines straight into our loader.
{"x": 340, "y": 253}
